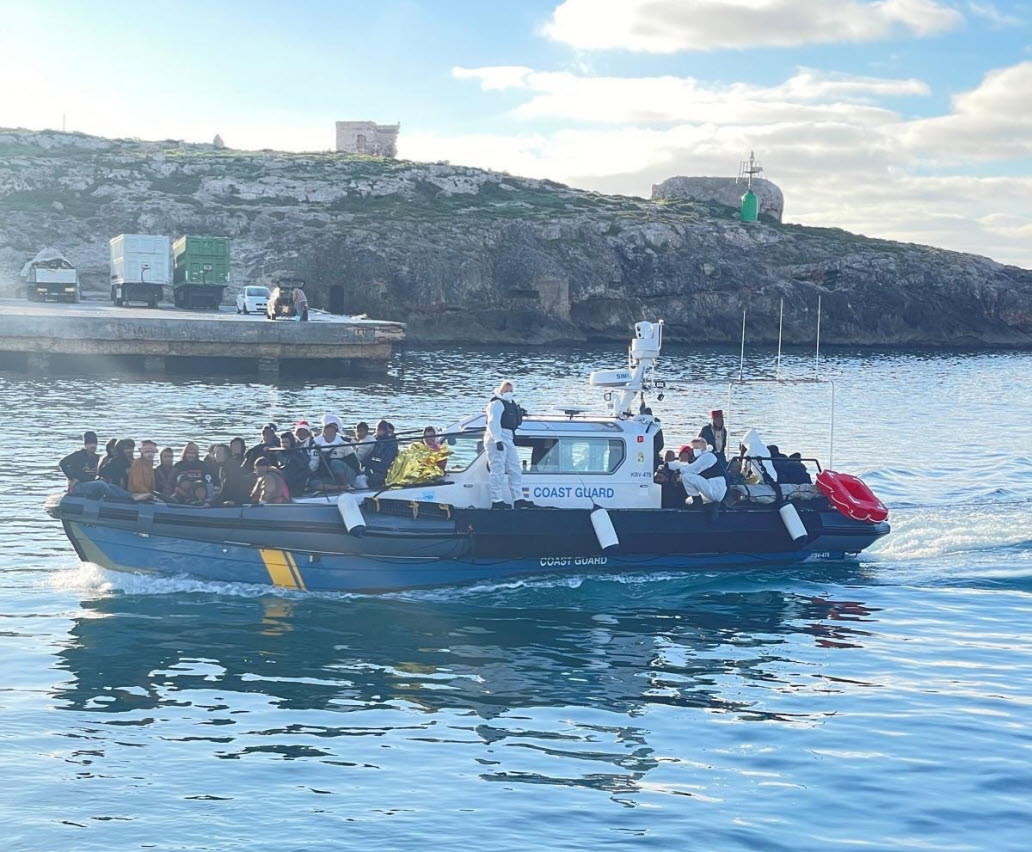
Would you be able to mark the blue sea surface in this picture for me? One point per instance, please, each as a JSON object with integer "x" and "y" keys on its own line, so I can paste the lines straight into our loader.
{"x": 879, "y": 704}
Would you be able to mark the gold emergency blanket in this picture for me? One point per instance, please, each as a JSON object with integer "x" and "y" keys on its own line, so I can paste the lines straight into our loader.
{"x": 417, "y": 463}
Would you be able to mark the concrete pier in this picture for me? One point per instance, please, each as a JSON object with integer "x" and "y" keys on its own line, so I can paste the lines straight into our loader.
{"x": 155, "y": 340}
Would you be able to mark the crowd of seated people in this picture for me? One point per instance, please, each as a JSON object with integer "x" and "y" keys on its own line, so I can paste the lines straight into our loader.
{"x": 312, "y": 458}
{"x": 699, "y": 474}
{"x": 279, "y": 467}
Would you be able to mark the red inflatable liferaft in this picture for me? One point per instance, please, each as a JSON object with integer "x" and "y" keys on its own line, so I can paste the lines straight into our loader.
{"x": 851, "y": 497}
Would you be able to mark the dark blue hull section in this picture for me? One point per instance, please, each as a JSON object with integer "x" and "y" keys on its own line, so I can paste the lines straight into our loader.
{"x": 407, "y": 545}
{"x": 123, "y": 550}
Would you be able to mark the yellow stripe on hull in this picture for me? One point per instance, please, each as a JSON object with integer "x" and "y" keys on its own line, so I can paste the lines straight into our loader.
{"x": 296, "y": 571}
{"x": 282, "y": 569}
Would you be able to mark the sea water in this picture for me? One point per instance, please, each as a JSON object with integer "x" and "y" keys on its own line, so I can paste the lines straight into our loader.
{"x": 883, "y": 703}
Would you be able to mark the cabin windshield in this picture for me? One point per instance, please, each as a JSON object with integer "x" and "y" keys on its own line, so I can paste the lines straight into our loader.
{"x": 465, "y": 448}
{"x": 257, "y": 291}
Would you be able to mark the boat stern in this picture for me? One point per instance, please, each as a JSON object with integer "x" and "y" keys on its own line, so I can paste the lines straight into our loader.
{"x": 841, "y": 535}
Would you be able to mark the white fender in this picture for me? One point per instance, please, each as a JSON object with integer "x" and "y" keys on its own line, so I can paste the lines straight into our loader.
{"x": 793, "y": 523}
{"x": 351, "y": 512}
{"x": 604, "y": 530}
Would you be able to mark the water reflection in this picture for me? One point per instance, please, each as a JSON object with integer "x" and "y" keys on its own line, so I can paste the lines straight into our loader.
{"x": 546, "y": 693}
{"x": 131, "y": 652}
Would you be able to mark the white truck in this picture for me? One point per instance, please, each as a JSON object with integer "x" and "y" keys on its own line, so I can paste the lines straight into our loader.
{"x": 141, "y": 266}
{"x": 51, "y": 276}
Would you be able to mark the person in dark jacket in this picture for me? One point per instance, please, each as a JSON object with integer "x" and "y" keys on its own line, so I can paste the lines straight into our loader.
{"x": 778, "y": 459}
{"x": 234, "y": 484}
{"x": 238, "y": 450}
{"x": 793, "y": 471}
{"x": 115, "y": 470}
{"x": 671, "y": 492}
{"x": 715, "y": 434}
{"x": 109, "y": 454}
{"x": 383, "y": 454}
{"x": 81, "y": 466}
{"x": 190, "y": 462}
{"x": 269, "y": 441}
{"x": 292, "y": 462}
{"x": 165, "y": 474}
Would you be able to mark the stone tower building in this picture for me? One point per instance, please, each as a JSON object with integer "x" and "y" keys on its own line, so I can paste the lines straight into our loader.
{"x": 367, "y": 137}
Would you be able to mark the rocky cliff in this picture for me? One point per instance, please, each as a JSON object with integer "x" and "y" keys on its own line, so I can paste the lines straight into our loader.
{"x": 723, "y": 190}
{"x": 470, "y": 255}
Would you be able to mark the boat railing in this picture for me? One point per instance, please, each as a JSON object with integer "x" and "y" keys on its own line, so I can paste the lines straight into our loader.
{"x": 773, "y": 459}
{"x": 404, "y": 439}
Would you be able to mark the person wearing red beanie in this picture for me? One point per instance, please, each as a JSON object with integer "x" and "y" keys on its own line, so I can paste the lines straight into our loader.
{"x": 715, "y": 434}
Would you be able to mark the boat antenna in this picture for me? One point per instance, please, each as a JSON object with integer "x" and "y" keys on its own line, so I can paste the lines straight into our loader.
{"x": 781, "y": 323}
{"x": 817, "y": 357}
{"x": 741, "y": 357}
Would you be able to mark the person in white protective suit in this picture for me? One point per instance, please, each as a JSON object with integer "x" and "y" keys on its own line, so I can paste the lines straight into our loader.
{"x": 700, "y": 474}
{"x": 503, "y": 419}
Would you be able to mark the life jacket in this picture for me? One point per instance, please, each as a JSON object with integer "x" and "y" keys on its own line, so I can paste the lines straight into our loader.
{"x": 282, "y": 489}
{"x": 714, "y": 471}
{"x": 512, "y": 415}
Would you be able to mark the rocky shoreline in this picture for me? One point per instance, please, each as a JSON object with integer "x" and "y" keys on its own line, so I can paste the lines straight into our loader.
{"x": 472, "y": 256}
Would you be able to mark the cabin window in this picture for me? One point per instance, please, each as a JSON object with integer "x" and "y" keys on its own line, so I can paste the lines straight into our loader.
{"x": 570, "y": 455}
{"x": 465, "y": 449}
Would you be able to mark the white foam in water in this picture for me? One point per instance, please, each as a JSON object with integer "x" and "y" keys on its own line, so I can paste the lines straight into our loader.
{"x": 959, "y": 537}
{"x": 89, "y": 578}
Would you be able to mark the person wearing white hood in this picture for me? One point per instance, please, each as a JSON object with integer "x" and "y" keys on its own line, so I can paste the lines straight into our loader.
{"x": 340, "y": 458}
{"x": 503, "y": 419}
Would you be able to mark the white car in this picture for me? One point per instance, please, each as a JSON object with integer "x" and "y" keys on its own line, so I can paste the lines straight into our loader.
{"x": 252, "y": 300}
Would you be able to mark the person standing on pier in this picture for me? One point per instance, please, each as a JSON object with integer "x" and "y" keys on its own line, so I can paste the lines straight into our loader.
{"x": 81, "y": 466}
{"x": 504, "y": 417}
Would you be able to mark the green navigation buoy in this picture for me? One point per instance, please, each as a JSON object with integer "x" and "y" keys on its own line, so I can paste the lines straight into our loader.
{"x": 750, "y": 209}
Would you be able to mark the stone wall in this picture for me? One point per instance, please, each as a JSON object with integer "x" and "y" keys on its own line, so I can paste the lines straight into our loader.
{"x": 723, "y": 190}
{"x": 367, "y": 137}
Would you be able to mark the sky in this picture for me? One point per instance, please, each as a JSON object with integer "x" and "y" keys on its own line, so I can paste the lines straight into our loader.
{"x": 903, "y": 119}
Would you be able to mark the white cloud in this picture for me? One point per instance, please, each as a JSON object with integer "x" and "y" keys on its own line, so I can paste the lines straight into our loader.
{"x": 808, "y": 96}
{"x": 669, "y": 26}
{"x": 496, "y": 76}
{"x": 993, "y": 121}
{"x": 994, "y": 15}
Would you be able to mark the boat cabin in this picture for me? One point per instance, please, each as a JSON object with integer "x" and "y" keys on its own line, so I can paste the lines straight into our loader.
{"x": 567, "y": 462}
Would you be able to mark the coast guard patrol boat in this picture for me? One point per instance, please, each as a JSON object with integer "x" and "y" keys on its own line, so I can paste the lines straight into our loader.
{"x": 590, "y": 476}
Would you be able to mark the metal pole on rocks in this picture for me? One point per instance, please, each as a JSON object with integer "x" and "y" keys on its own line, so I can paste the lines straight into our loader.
{"x": 741, "y": 357}
{"x": 817, "y": 358}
